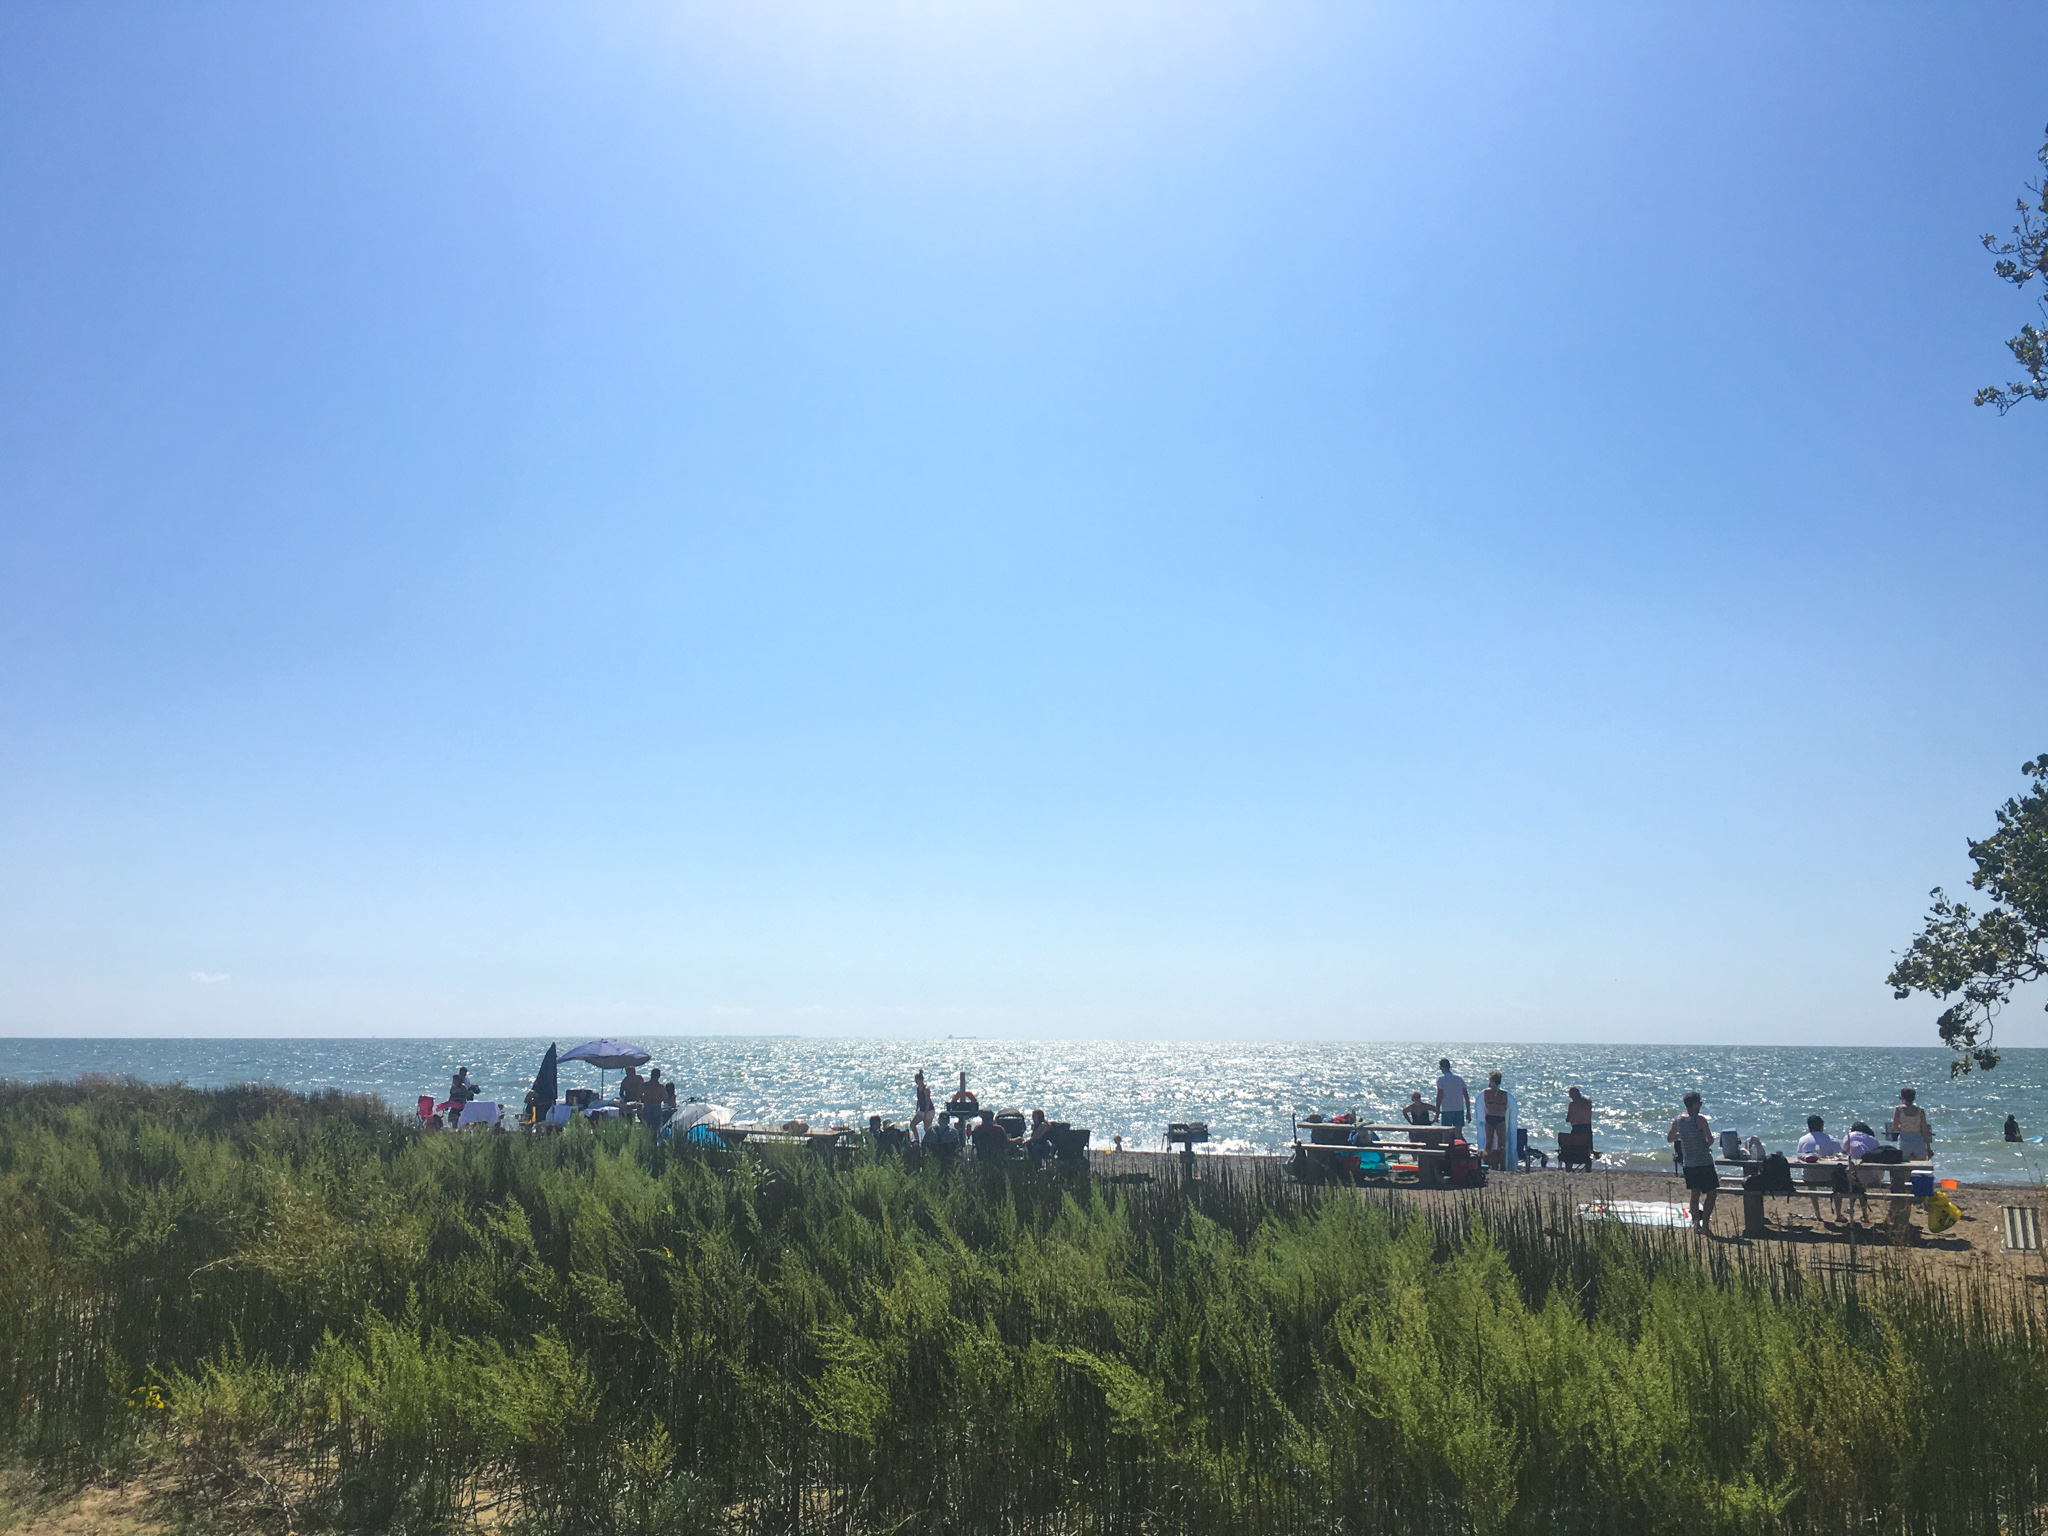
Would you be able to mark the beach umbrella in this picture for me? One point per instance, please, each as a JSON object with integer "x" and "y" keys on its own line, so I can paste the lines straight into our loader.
{"x": 605, "y": 1055}
{"x": 544, "y": 1085}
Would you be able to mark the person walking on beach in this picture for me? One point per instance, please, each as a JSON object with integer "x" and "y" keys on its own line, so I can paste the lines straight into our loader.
{"x": 925, "y": 1113}
{"x": 1694, "y": 1139}
{"x": 1909, "y": 1124}
{"x": 1453, "y": 1098}
{"x": 1494, "y": 1100}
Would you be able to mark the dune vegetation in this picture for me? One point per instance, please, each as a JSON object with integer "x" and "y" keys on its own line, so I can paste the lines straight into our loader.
{"x": 300, "y": 1314}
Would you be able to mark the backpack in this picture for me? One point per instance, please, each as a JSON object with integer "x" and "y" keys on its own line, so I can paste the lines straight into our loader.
{"x": 1772, "y": 1176}
{"x": 1462, "y": 1167}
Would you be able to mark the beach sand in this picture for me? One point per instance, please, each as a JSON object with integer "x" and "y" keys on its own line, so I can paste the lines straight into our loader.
{"x": 1972, "y": 1249}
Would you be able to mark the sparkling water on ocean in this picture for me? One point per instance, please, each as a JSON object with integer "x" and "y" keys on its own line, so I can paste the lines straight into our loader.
{"x": 1249, "y": 1093}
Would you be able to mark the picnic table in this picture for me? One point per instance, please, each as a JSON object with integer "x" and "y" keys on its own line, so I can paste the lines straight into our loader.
{"x": 1330, "y": 1141}
{"x": 1899, "y": 1199}
{"x": 737, "y": 1136}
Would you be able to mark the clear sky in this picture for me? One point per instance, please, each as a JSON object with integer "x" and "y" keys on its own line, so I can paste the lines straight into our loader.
{"x": 1300, "y": 520}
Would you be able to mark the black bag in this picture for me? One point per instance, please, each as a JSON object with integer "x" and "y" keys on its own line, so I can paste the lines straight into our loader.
{"x": 1772, "y": 1176}
{"x": 1886, "y": 1155}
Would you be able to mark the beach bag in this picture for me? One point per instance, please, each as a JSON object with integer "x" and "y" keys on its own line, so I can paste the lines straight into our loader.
{"x": 1462, "y": 1166}
{"x": 1884, "y": 1155}
{"x": 1771, "y": 1176}
{"x": 1942, "y": 1212}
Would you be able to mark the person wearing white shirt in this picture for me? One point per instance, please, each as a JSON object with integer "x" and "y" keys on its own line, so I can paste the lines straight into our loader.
{"x": 1453, "y": 1098}
{"x": 1813, "y": 1146}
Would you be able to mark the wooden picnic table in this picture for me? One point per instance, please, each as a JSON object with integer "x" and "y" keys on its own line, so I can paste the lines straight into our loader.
{"x": 1428, "y": 1157}
{"x": 738, "y": 1135}
{"x": 1899, "y": 1199}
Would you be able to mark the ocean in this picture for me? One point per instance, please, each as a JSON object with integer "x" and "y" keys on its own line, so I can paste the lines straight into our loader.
{"x": 1250, "y": 1093}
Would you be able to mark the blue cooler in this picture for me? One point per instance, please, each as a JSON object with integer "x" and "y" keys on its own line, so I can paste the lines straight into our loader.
{"x": 1923, "y": 1183}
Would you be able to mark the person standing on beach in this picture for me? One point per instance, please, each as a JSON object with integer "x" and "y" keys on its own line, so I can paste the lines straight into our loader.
{"x": 1578, "y": 1113}
{"x": 925, "y": 1113}
{"x": 1694, "y": 1139}
{"x": 1495, "y": 1102}
{"x": 1453, "y": 1098}
{"x": 1417, "y": 1112}
{"x": 1909, "y": 1124}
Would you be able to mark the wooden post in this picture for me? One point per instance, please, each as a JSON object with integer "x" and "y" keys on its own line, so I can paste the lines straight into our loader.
{"x": 1753, "y": 1223}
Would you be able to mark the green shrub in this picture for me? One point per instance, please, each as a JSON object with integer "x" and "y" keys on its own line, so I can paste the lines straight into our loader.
{"x": 316, "y": 1314}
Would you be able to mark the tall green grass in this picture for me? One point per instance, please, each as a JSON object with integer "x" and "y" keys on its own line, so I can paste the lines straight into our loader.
{"x": 317, "y": 1318}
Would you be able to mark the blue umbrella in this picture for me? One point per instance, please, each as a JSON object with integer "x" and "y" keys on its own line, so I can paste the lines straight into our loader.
{"x": 605, "y": 1054}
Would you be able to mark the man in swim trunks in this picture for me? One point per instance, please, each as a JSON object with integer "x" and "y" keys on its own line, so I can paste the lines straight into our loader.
{"x": 1694, "y": 1139}
{"x": 1453, "y": 1098}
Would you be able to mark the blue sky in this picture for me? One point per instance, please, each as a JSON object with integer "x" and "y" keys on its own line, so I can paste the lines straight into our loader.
{"x": 1293, "y": 520}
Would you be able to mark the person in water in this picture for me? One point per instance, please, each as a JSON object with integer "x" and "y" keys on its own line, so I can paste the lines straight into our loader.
{"x": 2012, "y": 1128}
{"x": 1453, "y": 1098}
{"x": 1910, "y": 1125}
{"x": 1494, "y": 1101}
{"x": 1694, "y": 1140}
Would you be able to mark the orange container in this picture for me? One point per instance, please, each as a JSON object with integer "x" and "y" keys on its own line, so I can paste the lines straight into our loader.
{"x": 1950, "y": 1184}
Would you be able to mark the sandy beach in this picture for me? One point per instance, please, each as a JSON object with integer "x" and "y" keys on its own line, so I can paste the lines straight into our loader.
{"x": 1972, "y": 1249}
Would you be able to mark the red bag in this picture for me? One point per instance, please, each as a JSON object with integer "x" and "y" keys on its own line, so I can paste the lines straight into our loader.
{"x": 1462, "y": 1167}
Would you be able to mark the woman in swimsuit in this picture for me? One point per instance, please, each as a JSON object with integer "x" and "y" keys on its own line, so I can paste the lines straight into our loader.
{"x": 1909, "y": 1124}
{"x": 1494, "y": 1101}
